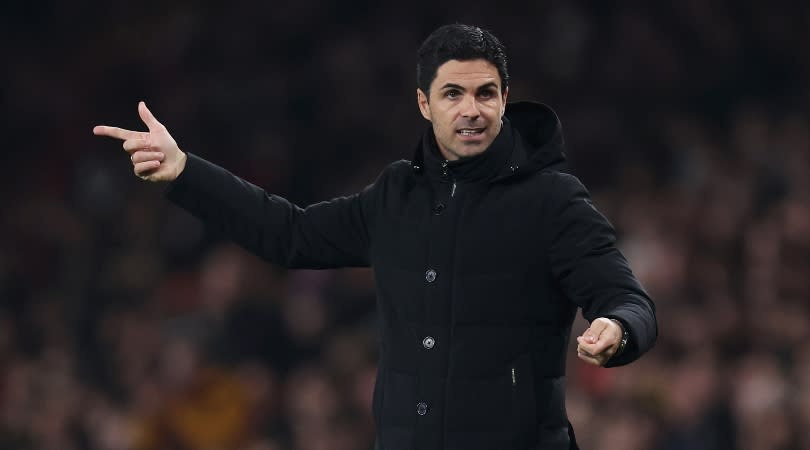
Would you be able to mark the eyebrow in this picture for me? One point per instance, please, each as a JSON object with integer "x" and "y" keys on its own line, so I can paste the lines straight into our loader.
{"x": 460, "y": 88}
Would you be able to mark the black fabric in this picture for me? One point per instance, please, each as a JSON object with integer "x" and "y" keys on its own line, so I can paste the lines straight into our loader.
{"x": 482, "y": 167}
{"x": 490, "y": 256}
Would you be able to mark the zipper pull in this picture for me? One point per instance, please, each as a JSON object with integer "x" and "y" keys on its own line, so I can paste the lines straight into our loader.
{"x": 453, "y": 190}
{"x": 444, "y": 168}
{"x": 514, "y": 379}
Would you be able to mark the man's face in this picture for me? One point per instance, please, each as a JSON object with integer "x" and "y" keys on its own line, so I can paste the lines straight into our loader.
{"x": 465, "y": 107}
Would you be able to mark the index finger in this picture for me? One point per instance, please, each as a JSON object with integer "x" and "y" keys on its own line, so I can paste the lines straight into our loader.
{"x": 589, "y": 359}
{"x": 602, "y": 346}
{"x": 604, "y": 343}
{"x": 118, "y": 133}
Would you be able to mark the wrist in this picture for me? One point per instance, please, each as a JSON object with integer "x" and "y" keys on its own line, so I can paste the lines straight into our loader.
{"x": 181, "y": 164}
{"x": 623, "y": 340}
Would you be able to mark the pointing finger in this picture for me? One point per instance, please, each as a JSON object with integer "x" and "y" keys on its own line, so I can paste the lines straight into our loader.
{"x": 117, "y": 133}
{"x": 148, "y": 118}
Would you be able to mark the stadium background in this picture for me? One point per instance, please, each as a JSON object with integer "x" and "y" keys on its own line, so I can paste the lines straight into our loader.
{"x": 124, "y": 325}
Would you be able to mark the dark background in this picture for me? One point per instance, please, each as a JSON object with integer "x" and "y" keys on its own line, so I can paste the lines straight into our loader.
{"x": 124, "y": 325}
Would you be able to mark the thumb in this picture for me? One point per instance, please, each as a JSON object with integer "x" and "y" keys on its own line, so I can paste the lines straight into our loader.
{"x": 589, "y": 336}
{"x": 148, "y": 118}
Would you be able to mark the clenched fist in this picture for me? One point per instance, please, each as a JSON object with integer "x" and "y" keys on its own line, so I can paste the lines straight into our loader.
{"x": 600, "y": 341}
{"x": 154, "y": 154}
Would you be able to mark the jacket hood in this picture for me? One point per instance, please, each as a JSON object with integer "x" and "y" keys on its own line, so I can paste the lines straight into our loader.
{"x": 541, "y": 134}
{"x": 531, "y": 140}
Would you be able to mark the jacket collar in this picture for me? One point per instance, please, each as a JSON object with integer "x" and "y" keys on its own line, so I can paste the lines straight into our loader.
{"x": 481, "y": 167}
{"x": 530, "y": 140}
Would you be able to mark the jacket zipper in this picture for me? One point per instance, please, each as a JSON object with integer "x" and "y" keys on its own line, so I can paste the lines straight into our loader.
{"x": 514, "y": 378}
{"x": 445, "y": 174}
{"x": 453, "y": 259}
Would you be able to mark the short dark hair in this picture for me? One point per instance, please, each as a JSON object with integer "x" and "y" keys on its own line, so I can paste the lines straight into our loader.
{"x": 460, "y": 42}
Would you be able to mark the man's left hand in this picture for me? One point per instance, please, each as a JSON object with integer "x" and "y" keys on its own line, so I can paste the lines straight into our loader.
{"x": 599, "y": 342}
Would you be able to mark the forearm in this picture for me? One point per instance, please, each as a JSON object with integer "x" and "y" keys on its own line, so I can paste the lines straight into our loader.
{"x": 594, "y": 274}
{"x": 323, "y": 235}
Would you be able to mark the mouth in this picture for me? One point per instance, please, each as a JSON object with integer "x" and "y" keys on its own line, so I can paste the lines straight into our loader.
{"x": 470, "y": 132}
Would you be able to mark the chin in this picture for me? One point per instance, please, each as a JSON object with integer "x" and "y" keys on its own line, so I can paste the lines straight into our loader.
{"x": 467, "y": 150}
{"x": 468, "y": 154}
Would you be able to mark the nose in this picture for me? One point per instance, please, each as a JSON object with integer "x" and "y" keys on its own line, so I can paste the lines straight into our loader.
{"x": 469, "y": 108}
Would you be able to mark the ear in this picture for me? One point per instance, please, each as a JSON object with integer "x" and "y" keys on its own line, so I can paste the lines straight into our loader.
{"x": 505, "y": 94}
{"x": 424, "y": 105}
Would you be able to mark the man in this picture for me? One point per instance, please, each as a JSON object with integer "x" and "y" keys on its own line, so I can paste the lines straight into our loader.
{"x": 482, "y": 252}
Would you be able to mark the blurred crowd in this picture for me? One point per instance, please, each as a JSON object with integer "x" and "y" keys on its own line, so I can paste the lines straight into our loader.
{"x": 124, "y": 324}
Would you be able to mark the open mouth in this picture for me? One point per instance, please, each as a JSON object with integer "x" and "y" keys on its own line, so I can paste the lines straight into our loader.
{"x": 470, "y": 132}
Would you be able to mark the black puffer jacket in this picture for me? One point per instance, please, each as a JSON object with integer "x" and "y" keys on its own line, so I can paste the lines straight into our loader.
{"x": 480, "y": 267}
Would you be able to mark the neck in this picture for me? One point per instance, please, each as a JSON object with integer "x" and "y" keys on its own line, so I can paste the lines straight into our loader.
{"x": 481, "y": 166}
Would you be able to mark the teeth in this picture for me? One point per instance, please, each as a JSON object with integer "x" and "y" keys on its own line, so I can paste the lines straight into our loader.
{"x": 468, "y": 132}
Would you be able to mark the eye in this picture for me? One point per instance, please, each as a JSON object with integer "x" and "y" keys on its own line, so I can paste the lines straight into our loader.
{"x": 452, "y": 93}
{"x": 486, "y": 94}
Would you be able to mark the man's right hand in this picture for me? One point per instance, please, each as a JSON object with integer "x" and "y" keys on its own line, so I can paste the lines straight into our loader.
{"x": 154, "y": 154}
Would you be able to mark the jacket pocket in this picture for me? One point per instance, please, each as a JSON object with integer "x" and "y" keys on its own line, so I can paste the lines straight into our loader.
{"x": 523, "y": 415}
